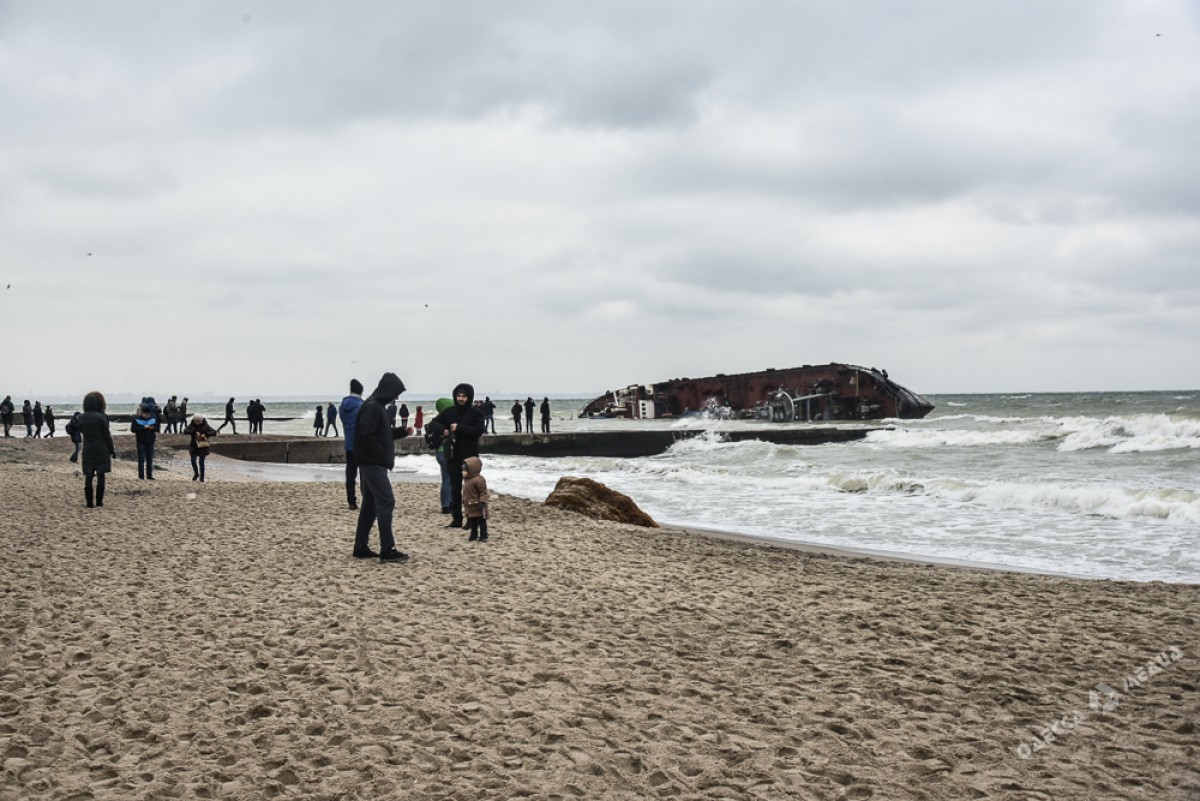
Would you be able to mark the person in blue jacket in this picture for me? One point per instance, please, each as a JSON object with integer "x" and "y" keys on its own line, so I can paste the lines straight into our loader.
{"x": 145, "y": 432}
{"x": 348, "y": 411}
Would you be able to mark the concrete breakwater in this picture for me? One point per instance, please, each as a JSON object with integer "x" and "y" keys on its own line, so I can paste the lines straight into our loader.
{"x": 618, "y": 444}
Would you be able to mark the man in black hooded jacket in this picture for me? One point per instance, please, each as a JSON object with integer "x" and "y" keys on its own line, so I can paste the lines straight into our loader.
{"x": 463, "y": 425}
{"x": 375, "y": 453}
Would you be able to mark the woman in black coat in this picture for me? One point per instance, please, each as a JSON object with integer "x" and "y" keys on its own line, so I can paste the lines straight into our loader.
{"x": 98, "y": 450}
{"x": 200, "y": 432}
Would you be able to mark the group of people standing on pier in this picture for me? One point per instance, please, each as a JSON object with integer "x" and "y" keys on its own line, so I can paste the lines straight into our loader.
{"x": 34, "y": 417}
{"x": 529, "y": 406}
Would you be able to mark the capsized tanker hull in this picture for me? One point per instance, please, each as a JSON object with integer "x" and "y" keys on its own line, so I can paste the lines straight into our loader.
{"x": 811, "y": 392}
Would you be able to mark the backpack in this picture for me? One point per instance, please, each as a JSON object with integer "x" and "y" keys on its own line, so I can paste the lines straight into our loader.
{"x": 434, "y": 434}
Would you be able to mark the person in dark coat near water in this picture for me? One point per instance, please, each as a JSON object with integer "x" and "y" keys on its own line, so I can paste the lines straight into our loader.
{"x": 199, "y": 434}
{"x": 529, "y": 407}
{"x": 98, "y": 450}
{"x": 6, "y": 414}
{"x": 229, "y": 421}
{"x": 462, "y": 426}
{"x": 375, "y": 452}
{"x": 72, "y": 429}
{"x": 516, "y": 413}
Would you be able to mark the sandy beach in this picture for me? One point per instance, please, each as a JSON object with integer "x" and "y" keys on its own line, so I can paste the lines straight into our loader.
{"x": 218, "y": 641}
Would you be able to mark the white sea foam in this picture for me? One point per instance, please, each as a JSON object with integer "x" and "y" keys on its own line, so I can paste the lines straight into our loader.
{"x": 955, "y": 437}
{"x": 1131, "y": 433}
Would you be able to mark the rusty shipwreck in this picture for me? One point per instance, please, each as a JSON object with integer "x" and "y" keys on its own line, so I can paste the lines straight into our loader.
{"x": 811, "y": 392}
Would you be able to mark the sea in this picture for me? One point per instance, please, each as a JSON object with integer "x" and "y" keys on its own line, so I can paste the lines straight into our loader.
{"x": 1103, "y": 485}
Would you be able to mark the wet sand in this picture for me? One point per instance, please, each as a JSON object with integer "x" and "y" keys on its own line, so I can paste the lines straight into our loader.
{"x": 218, "y": 641}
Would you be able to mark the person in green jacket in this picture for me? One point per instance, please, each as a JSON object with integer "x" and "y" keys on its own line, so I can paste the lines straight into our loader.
{"x": 98, "y": 450}
{"x": 442, "y": 405}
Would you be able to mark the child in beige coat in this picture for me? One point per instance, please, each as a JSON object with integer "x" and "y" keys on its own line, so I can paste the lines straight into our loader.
{"x": 475, "y": 499}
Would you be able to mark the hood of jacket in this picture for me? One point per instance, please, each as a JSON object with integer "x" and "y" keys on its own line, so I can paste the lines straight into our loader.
{"x": 464, "y": 389}
{"x": 473, "y": 465}
{"x": 443, "y": 404}
{"x": 390, "y": 387}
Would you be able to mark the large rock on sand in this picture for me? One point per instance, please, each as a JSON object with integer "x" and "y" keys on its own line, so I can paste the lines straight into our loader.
{"x": 591, "y": 498}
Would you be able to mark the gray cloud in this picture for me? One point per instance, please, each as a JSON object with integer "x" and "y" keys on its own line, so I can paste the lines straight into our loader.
{"x": 981, "y": 197}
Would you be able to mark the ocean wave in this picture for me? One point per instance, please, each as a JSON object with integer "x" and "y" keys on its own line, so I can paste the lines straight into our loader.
{"x": 956, "y": 438}
{"x": 1174, "y": 506}
{"x": 1139, "y": 433}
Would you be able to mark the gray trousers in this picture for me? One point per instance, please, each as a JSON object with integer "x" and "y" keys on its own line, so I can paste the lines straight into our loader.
{"x": 378, "y": 503}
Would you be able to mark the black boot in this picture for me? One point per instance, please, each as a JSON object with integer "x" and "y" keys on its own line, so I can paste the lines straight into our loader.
{"x": 87, "y": 496}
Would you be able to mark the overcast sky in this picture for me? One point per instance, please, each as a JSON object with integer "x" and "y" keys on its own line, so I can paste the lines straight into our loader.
{"x": 270, "y": 198}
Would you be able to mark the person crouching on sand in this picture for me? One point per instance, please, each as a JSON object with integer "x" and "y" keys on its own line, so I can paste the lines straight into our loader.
{"x": 200, "y": 433}
{"x": 98, "y": 450}
{"x": 475, "y": 498}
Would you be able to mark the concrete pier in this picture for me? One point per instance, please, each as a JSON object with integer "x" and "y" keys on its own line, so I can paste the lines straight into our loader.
{"x": 613, "y": 444}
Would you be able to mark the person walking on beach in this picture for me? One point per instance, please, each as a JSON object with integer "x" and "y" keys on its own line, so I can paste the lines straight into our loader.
{"x": 545, "y": 409}
{"x": 318, "y": 422}
{"x": 145, "y": 432}
{"x": 183, "y": 413}
{"x": 72, "y": 429}
{"x": 375, "y": 451}
{"x": 39, "y": 417}
{"x": 403, "y": 415}
{"x": 529, "y": 407}
{"x": 349, "y": 412}
{"x": 199, "y": 433}
{"x": 98, "y": 450}
{"x": 49, "y": 421}
{"x": 489, "y": 415}
{"x": 27, "y": 416}
{"x": 462, "y": 426}
{"x": 6, "y": 414}
{"x": 252, "y": 415}
{"x": 228, "y": 417}
{"x": 331, "y": 416}
{"x": 475, "y": 499}
{"x": 516, "y": 413}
